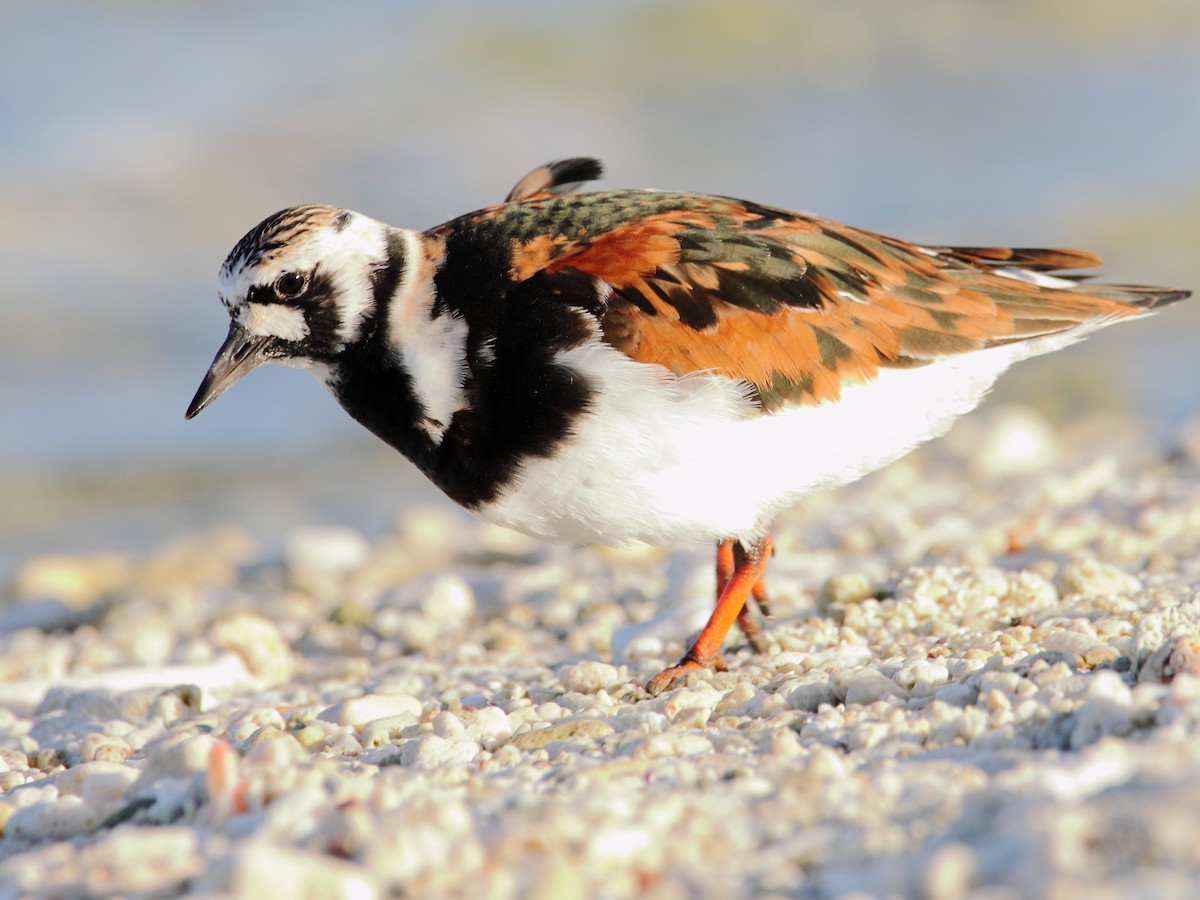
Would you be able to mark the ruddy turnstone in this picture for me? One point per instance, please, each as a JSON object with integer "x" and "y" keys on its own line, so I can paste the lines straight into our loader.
{"x": 634, "y": 365}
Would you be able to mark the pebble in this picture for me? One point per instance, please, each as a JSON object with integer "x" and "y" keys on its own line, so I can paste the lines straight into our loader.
{"x": 448, "y": 600}
{"x": 813, "y": 690}
{"x": 376, "y": 733}
{"x": 589, "y": 677}
{"x": 142, "y": 861}
{"x": 844, "y": 590}
{"x": 56, "y": 820}
{"x": 1153, "y": 630}
{"x": 74, "y": 580}
{"x": 1107, "y": 710}
{"x": 178, "y": 756}
{"x": 578, "y": 727}
{"x": 279, "y": 753}
{"x": 434, "y": 752}
{"x": 870, "y": 685}
{"x": 266, "y": 869}
{"x": 922, "y": 676}
{"x": 1180, "y": 655}
{"x": 1018, "y": 441}
{"x": 490, "y": 726}
{"x": 671, "y": 743}
{"x": 258, "y": 642}
{"x": 1090, "y": 577}
{"x": 326, "y": 549}
{"x": 950, "y": 873}
{"x": 360, "y": 711}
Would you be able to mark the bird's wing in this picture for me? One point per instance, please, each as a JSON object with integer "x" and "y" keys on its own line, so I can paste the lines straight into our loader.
{"x": 795, "y": 305}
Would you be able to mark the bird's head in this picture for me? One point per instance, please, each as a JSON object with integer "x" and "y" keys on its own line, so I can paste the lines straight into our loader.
{"x": 300, "y": 288}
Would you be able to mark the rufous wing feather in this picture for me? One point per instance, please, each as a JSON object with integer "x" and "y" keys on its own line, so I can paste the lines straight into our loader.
{"x": 798, "y": 306}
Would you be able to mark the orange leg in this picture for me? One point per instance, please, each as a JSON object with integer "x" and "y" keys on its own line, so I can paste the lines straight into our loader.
{"x": 746, "y": 621}
{"x": 730, "y": 555}
{"x": 705, "y": 652}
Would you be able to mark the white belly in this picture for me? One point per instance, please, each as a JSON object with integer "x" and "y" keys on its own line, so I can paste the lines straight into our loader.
{"x": 669, "y": 460}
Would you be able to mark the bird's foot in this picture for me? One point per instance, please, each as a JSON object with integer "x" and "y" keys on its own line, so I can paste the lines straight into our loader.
{"x": 669, "y": 678}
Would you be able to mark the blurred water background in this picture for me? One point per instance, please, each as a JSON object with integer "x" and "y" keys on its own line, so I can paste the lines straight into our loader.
{"x": 139, "y": 140}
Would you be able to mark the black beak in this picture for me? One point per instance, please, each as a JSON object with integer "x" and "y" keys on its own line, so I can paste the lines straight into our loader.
{"x": 240, "y": 353}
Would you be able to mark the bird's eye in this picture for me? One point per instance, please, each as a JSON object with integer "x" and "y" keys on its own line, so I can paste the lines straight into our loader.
{"x": 290, "y": 285}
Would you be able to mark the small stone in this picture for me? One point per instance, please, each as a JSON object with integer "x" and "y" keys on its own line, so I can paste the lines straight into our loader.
{"x": 733, "y": 703}
{"x": 75, "y": 580}
{"x": 922, "y": 676}
{"x": 448, "y": 600}
{"x": 1099, "y": 655}
{"x": 175, "y": 757}
{"x": 1178, "y": 656}
{"x": 972, "y": 724}
{"x": 700, "y": 695}
{"x": 345, "y": 744}
{"x": 843, "y": 590}
{"x": 265, "y": 869}
{"x": 490, "y": 726}
{"x": 48, "y": 759}
{"x": 106, "y": 747}
{"x": 97, "y": 782}
{"x": 645, "y": 646}
{"x": 358, "y": 711}
{"x": 317, "y": 735}
{"x": 813, "y": 690}
{"x": 782, "y": 742}
{"x": 385, "y": 731}
{"x": 1019, "y": 441}
{"x": 258, "y": 642}
{"x": 765, "y": 705}
{"x": 579, "y": 726}
{"x": 274, "y": 748}
{"x": 558, "y": 879}
{"x": 671, "y": 743}
{"x": 1087, "y": 577}
{"x": 956, "y": 694}
{"x": 326, "y": 549}
{"x": 353, "y": 614}
{"x": 1067, "y": 641}
{"x": 950, "y": 873}
{"x": 1107, "y": 710}
{"x": 433, "y": 752}
{"x": 177, "y": 702}
{"x": 54, "y": 821}
{"x": 417, "y": 634}
{"x": 446, "y": 724}
{"x": 870, "y": 685}
{"x": 589, "y": 677}
{"x": 143, "y": 861}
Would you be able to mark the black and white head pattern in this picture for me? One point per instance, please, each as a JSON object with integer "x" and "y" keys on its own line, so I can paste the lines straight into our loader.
{"x": 302, "y": 279}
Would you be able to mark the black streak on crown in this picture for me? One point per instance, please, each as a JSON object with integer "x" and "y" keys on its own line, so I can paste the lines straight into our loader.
{"x": 269, "y": 235}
